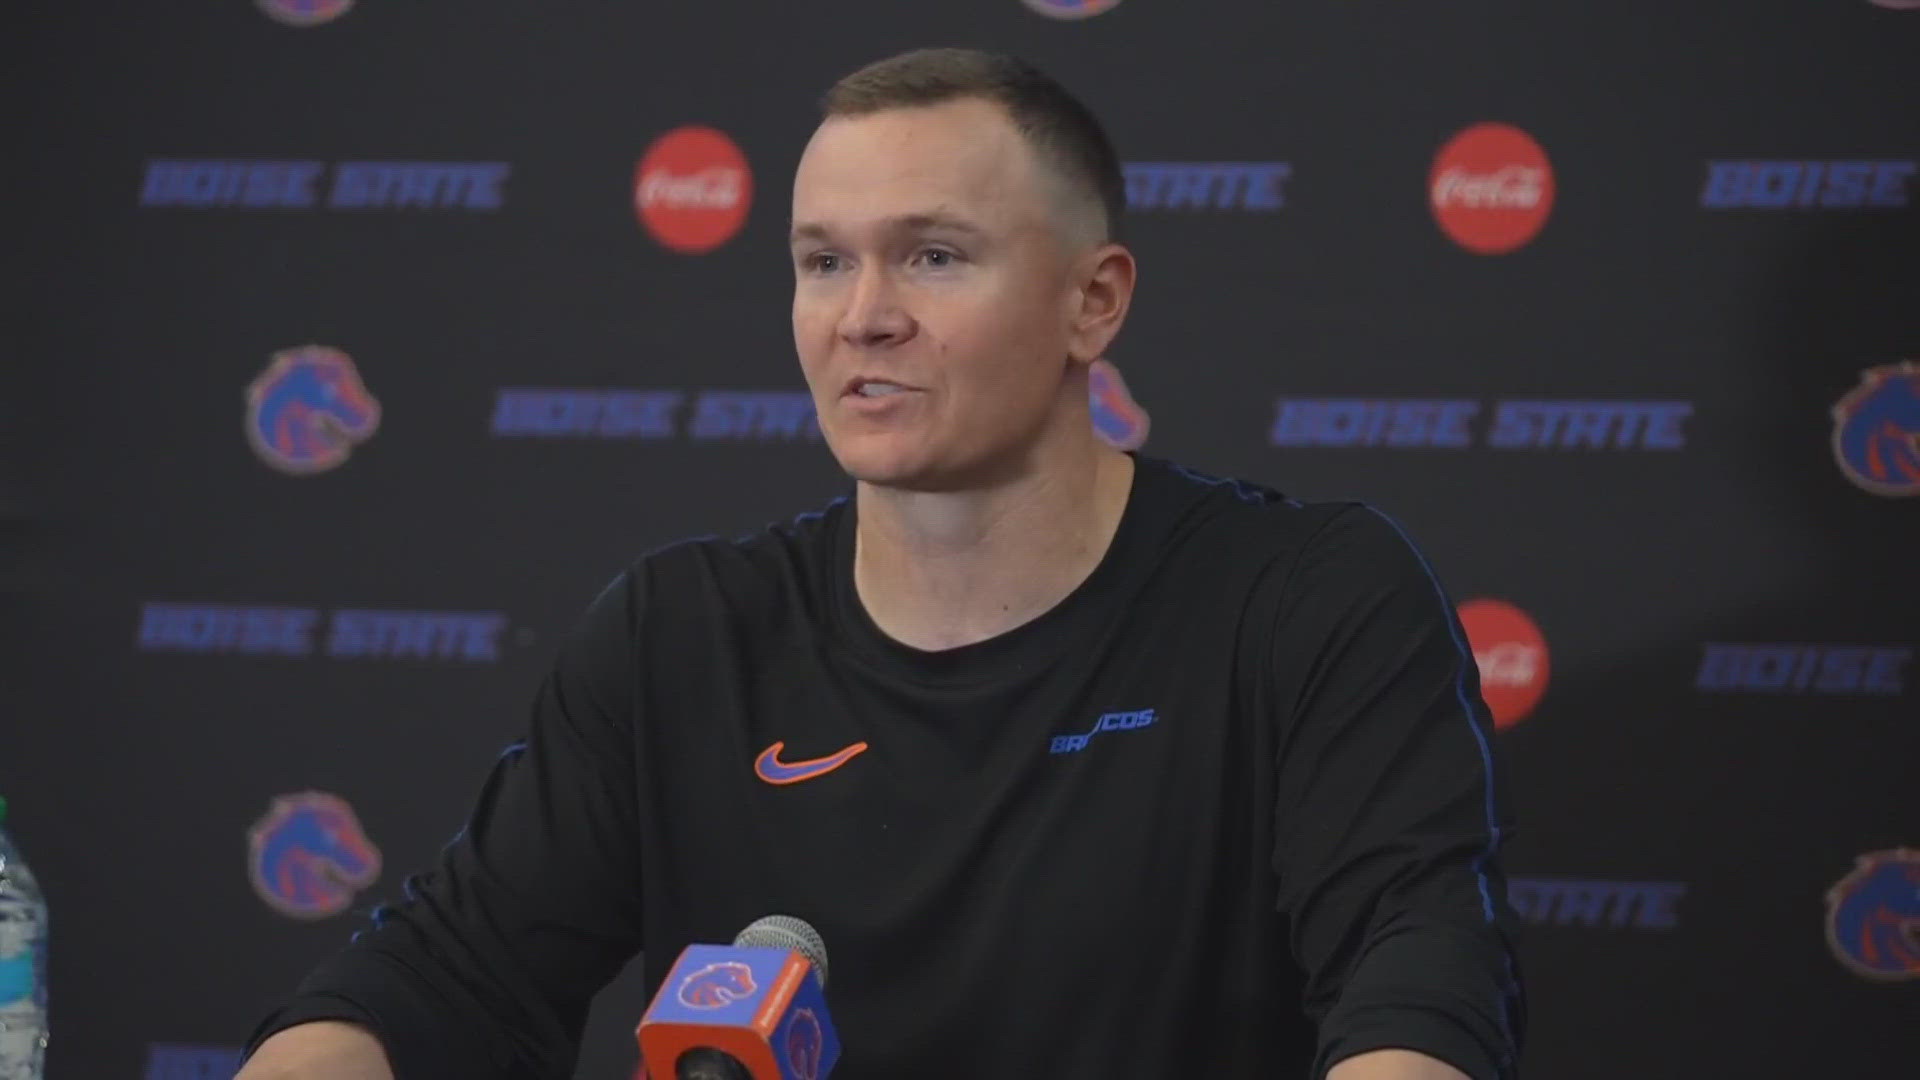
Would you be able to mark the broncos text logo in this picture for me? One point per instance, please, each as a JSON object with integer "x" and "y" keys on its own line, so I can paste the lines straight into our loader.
{"x": 308, "y": 856}
{"x": 1876, "y": 430}
{"x": 717, "y": 985}
{"x": 1873, "y": 916}
{"x": 308, "y": 409}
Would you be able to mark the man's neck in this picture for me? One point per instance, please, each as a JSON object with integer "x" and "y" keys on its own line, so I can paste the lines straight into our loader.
{"x": 938, "y": 570}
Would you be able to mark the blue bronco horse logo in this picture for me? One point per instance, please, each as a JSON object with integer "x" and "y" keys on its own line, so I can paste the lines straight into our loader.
{"x": 308, "y": 409}
{"x": 305, "y": 12}
{"x": 1117, "y": 418}
{"x": 717, "y": 985}
{"x": 1873, "y": 915}
{"x": 1876, "y": 430}
{"x": 308, "y": 856}
{"x": 804, "y": 1045}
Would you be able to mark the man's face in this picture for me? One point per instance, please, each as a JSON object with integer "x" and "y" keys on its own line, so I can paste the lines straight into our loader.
{"x": 929, "y": 267}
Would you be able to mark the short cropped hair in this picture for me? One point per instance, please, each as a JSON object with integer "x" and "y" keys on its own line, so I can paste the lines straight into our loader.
{"x": 1058, "y": 125}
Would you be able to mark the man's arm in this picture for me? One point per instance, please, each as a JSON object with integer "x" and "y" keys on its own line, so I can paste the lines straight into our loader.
{"x": 487, "y": 965}
{"x": 1394, "y": 1065}
{"x": 1390, "y": 816}
{"x": 321, "y": 1048}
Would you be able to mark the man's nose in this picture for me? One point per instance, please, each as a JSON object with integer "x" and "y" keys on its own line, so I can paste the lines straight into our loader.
{"x": 874, "y": 314}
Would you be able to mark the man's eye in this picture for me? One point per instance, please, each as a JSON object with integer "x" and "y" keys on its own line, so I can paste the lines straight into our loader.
{"x": 938, "y": 257}
{"x": 822, "y": 263}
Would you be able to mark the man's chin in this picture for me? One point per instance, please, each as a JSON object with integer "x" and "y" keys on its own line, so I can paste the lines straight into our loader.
{"x": 890, "y": 474}
{"x": 905, "y": 468}
{"x": 891, "y": 460}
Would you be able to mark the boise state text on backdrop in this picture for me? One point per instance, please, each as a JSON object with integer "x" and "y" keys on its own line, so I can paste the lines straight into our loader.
{"x": 222, "y": 184}
{"x": 1807, "y": 185}
{"x": 351, "y": 633}
{"x": 1413, "y": 423}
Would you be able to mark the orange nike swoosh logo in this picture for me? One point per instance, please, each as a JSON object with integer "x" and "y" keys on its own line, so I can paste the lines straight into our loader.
{"x": 770, "y": 768}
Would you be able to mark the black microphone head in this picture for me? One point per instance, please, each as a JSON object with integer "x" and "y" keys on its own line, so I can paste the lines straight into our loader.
{"x": 787, "y": 932}
{"x": 703, "y": 1063}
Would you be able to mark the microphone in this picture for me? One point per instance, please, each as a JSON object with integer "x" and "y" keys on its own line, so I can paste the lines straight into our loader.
{"x": 753, "y": 1010}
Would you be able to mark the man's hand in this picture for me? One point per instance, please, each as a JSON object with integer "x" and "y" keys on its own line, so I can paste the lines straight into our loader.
{"x": 1392, "y": 1065}
{"x": 320, "y": 1050}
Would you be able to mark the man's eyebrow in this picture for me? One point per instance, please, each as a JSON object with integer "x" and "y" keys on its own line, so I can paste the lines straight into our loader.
{"x": 810, "y": 230}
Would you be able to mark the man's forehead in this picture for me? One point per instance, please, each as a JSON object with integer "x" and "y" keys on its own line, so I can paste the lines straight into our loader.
{"x": 960, "y": 158}
{"x": 939, "y": 219}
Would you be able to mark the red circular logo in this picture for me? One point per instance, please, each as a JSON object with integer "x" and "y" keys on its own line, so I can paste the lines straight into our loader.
{"x": 1511, "y": 654}
{"x": 1491, "y": 188}
{"x": 692, "y": 189}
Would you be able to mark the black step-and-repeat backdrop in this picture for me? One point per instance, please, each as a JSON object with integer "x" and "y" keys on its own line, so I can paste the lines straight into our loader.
{"x": 362, "y": 341}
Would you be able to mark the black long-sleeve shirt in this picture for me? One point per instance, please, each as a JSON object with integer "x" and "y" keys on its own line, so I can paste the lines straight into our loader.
{"x": 1231, "y": 808}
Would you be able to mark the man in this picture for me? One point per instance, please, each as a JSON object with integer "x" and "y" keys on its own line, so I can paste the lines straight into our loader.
{"x": 1084, "y": 765}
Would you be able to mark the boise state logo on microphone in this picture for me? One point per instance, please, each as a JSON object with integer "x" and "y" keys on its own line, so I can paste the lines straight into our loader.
{"x": 805, "y": 1045}
{"x": 306, "y": 411}
{"x": 1873, "y": 915}
{"x": 717, "y": 986}
{"x": 308, "y": 857}
{"x": 1876, "y": 430}
{"x": 304, "y": 12}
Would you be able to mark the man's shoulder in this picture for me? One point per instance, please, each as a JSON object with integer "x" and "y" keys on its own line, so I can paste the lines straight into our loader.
{"x": 781, "y": 557}
{"x": 1282, "y": 539}
{"x": 1248, "y": 515}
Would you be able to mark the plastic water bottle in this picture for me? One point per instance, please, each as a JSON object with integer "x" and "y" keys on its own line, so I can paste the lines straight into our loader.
{"x": 23, "y": 966}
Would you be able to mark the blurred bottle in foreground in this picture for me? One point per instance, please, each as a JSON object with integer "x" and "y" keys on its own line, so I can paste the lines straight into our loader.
{"x": 23, "y": 965}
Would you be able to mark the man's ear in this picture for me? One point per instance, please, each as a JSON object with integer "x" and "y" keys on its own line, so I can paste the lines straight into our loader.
{"x": 1101, "y": 301}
